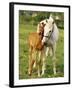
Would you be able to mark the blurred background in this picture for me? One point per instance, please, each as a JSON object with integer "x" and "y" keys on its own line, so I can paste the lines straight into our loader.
{"x": 34, "y": 17}
{"x": 28, "y": 21}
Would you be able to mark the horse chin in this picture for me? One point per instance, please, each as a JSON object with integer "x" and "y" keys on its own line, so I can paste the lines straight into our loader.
{"x": 44, "y": 43}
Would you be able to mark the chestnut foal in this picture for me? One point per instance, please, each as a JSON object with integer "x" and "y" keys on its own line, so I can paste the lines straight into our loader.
{"x": 36, "y": 48}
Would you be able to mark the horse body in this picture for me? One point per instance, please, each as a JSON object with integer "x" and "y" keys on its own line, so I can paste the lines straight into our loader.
{"x": 51, "y": 35}
{"x": 51, "y": 43}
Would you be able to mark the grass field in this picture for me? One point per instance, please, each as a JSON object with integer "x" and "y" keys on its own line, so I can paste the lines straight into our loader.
{"x": 24, "y": 31}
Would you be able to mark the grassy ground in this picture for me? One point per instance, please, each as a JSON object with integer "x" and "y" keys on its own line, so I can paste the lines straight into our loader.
{"x": 24, "y": 31}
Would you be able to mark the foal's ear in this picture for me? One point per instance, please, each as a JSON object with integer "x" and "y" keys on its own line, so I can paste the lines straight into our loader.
{"x": 43, "y": 24}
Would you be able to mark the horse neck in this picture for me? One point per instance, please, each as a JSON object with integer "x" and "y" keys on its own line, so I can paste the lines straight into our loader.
{"x": 55, "y": 33}
{"x": 55, "y": 27}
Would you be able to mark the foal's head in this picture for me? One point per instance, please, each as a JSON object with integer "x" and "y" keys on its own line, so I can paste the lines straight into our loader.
{"x": 40, "y": 28}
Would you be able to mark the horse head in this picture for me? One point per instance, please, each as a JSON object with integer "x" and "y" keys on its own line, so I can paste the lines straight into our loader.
{"x": 48, "y": 29}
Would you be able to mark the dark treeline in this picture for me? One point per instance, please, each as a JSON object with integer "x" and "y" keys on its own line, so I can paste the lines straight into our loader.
{"x": 34, "y": 17}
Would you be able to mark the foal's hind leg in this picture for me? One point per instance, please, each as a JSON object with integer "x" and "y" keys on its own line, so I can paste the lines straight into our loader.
{"x": 32, "y": 55}
{"x": 35, "y": 63}
{"x": 54, "y": 58}
{"x": 30, "y": 60}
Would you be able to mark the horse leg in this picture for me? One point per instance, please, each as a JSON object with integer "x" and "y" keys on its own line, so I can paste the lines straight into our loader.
{"x": 50, "y": 51}
{"x": 54, "y": 58}
{"x": 43, "y": 61}
{"x": 47, "y": 50}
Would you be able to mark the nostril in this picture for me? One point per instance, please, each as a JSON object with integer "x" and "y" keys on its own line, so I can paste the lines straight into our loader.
{"x": 45, "y": 43}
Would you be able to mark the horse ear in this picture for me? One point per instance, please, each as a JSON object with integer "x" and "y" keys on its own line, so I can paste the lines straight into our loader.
{"x": 53, "y": 22}
{"x": 46, "y": 21}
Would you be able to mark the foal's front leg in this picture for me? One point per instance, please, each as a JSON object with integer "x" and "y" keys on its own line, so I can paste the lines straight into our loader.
{"x": 39, "y": 63}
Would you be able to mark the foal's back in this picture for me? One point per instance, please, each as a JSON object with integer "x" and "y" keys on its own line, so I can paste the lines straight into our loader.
{"x": 35, "y": 41}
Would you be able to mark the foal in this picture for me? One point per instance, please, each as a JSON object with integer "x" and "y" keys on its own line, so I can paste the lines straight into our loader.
{"x": 35, "y": 46}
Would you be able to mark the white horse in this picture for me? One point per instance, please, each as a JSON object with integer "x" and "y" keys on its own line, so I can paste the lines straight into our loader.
{"x": 50, "y": 38}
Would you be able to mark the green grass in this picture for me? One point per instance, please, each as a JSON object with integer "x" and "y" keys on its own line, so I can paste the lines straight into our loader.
{"x": 24, "y": 31}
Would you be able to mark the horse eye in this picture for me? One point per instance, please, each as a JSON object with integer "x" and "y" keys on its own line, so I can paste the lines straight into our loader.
{"x": 50, "y": 31}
